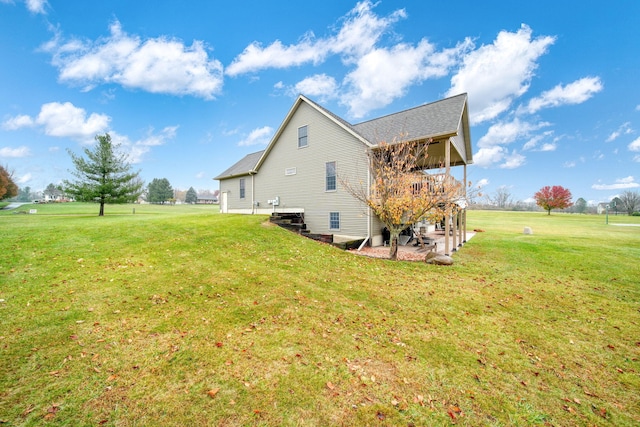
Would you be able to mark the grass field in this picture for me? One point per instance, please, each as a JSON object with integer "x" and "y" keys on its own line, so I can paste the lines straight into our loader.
{"x": 177, "y": 315}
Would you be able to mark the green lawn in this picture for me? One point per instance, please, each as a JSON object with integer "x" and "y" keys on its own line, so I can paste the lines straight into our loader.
{"x": 177, "y": 315}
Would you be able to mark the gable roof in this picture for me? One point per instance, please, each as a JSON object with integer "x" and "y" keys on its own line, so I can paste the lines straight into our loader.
{"x": 303, "y": 99}
{"x": 246, "y": 166}
{"x": 437, "y": 119}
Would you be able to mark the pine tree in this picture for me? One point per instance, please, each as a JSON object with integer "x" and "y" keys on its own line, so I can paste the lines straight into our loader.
{"x": 192, "y": 196}
{"x": 104, "y": 176}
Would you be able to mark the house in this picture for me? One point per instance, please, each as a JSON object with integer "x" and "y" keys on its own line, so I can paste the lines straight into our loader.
{"x": 300, "y": 169}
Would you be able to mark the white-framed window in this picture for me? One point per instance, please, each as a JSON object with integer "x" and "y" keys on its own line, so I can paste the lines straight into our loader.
{"x": 330, "y": 176}
{"x": 303, "y": 140}
{"x": 334, "y": 220}
{"x": 290, "y": 171}
{"x": 242, "y": 188}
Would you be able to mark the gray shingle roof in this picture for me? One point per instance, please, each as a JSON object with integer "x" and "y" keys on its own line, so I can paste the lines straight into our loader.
{"x": 246, "y": 165}
{"x": 426, "y": 121}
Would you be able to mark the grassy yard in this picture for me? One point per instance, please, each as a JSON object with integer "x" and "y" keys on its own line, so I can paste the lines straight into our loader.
{"x": 177, "y": 315}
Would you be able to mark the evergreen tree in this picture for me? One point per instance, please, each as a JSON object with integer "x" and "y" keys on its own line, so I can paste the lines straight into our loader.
{"x": 159, "y": 191}
{"x": 104, "y": 176}
{"x": 191, "y": 196}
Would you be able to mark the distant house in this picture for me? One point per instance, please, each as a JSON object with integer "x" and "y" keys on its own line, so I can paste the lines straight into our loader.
{"x": 206, "y": 200}
{"x": 298, "y": 171}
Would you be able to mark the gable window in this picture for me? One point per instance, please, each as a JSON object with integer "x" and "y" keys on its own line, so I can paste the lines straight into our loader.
{"x": 330, "y": 176}
{"x": 302, "y": 137}
{"x": 242, "y": 188}
{"x": 334, "y": 220}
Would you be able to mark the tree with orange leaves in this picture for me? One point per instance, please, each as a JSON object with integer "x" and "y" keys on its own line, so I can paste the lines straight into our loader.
{"x": 401, "y": 193}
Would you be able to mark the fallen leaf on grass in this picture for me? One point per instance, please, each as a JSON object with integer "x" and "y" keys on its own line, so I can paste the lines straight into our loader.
{"x": 330, "y": 385}
{"x": 212, "y": 393}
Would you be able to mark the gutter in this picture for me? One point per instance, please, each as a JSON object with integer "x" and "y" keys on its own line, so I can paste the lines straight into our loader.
{"x": 368, "y": 213}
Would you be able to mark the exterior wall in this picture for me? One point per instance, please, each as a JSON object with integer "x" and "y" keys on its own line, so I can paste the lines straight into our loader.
{"x": 231, "y": 187}
{"x": 305, "y": 191}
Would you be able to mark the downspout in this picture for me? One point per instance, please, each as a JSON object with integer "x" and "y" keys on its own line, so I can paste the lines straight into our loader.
{"x": 253, "y": 193}
{"x": 364, "y": 242}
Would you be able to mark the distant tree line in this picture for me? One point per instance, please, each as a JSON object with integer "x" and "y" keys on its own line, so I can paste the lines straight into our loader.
{"x": 628, "y": 202}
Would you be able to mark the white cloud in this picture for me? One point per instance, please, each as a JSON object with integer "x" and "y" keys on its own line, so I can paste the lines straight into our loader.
{"x": 487, "y": 156}
{"x": 624, "y": 129}
{"x": 569, "y": 164}
{"x": 482, "y": 183}
{"x": 322, "y": 86}
{"x": 620, "y": 184}
{"x": 385, "y": 74}
{"x": 494, "y": 75}
{"x": 67, "y": 120}
{"x": 18, "y": 122}
{"x": 513, "y": 161}
{"x": 24, "y": 178}
{"x": 379, "y": 75}
{"x": 549, "y": 146}
{"x": 360, "y": 31}
{"x": 573, "y": 93}
{"x": 15, "y": 152}
{"x": 37, "y": 6}
{"x": 63, "y": 120}
{"x": 157, "y": 65}
{"x": 259, "y": 136}
{"x": 508, "y": 132}
{"x": 635, "y": 145}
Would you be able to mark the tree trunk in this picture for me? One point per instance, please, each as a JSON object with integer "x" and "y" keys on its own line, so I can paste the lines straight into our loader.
{"x": 393, "y": 242}
{"x": 101, "y": 209}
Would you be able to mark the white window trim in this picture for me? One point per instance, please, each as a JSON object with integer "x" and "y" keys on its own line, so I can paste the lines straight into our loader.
{"x": 339, "y": 221}
{"x": 325, "y": 177}
{"x": 307, "y": 136}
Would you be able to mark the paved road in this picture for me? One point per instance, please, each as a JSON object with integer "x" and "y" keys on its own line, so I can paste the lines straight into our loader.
{"x": 14, "y": 205}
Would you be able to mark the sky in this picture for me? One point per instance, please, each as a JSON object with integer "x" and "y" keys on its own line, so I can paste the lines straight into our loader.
{"x": 187, "y": 88}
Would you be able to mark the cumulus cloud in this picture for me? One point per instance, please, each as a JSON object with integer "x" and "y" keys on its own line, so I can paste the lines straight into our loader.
{"x": 620, "y": 184}
{"x": 498, "y": 73}
{"x": 507, "y": 132}
{"x": 635, "y": 145}
{"x": 15, "y": 152}
{"x": 63, "y": 120}
{"x": 385, "y": 74}
{"x": 259, "y": 136}
{"x": 156, "y": 65}
{"x": 573, "y": 93}
{"x": 18, "y": 122}
{"x": 377, "y": 76}
{"x": 320, "y": 86}
{"x": 359, "y": 32}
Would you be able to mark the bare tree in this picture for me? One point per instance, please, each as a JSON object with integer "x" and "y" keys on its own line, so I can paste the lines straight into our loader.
{"x": 401, "y": 193}
{"x": 630, "y": 201}
{"x": 501, "y": 198}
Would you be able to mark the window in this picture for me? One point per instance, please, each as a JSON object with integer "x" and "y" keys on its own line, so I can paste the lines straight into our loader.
{"x": 302, "y": 137}
{"x": 242, "y": 189}
{"x": 330, "y": 176}
{"x": 334, "y": 220}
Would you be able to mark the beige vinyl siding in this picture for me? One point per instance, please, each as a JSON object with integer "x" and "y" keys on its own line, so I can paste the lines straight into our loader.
{"x": 231, "y": 186}
{"x": 305, "y": 190}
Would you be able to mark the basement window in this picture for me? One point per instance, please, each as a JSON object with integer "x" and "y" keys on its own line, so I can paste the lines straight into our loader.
{"x": 334, "y": 220}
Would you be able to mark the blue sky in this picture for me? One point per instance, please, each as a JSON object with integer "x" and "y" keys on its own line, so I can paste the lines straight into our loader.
{"x": 190, "y": 87}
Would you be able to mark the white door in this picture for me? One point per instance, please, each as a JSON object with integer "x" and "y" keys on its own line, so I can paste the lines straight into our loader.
{"x": 223, "y": 203}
